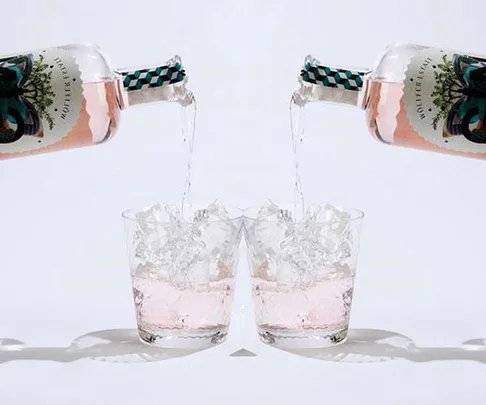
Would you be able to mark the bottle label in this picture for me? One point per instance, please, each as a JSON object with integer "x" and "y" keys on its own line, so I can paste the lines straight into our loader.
{"x": 40, "y": 99}
{"x": 445, "y": 99}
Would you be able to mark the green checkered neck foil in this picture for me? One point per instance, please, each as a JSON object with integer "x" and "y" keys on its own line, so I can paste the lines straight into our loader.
{"x": 331, "y": 77}
{"x": 170, "y": 73}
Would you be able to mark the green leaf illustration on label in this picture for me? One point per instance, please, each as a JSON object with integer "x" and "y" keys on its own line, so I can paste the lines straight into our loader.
{"x": 25, "y": 96}
{"x": 445, "y": 99}
{"x": 447, "y": 90}
{"x": 40, "y": 99}
{"x": 39, "y": 89}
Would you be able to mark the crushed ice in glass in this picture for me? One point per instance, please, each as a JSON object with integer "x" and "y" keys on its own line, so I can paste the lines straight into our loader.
{"x": 302, "y": 252}
{"x": 188, "y": 253}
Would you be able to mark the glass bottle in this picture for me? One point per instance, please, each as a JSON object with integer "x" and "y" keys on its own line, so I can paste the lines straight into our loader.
{"x": 68, "y": 96}
{"x": 416, "y": 96}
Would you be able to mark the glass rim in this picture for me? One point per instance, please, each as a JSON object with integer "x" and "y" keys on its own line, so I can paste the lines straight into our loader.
{"x": 356, "y": 215}
{"x": 130, "y": 215}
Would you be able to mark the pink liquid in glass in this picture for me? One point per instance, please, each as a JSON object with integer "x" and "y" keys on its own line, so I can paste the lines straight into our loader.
{"x": 165, "y": 311}
{"x": 319, "y": 312}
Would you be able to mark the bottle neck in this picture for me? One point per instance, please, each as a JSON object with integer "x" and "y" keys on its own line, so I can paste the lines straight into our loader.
{"x": 324, "y": 83}
{"x": 153, "y": 84}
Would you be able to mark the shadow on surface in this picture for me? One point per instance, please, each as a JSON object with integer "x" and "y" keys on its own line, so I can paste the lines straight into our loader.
{"x": 113, "y": 345}
{"x": 362, "y": 346}
{"x": 373, "y": 345}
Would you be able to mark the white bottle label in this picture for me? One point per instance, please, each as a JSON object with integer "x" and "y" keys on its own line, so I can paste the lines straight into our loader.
{"x": 41, "y": 98}
{"x": 445, "y": 99}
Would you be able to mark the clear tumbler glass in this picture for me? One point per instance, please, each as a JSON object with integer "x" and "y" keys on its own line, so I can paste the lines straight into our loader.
{"x": 302, "y": 273}
{"x": 183, "y": 273}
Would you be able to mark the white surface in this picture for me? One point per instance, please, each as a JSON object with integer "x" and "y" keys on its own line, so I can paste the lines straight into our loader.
{"x": 422, "y": 263}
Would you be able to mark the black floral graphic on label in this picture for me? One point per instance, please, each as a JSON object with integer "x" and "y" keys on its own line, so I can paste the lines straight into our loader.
{"x": 445, "y": 99}
{"x": 40, "y": 99}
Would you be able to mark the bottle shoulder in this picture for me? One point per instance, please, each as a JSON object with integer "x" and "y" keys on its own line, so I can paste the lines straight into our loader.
{"x": 92, "y": 61}
{"x": 393, "y": 62}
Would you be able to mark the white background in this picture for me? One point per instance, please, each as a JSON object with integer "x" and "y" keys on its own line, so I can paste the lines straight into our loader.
{"x": 422, "y": 264}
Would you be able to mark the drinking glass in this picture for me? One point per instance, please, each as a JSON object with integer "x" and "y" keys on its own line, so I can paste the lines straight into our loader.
{"x": 302, "y": 273}
{"x": 183, "y": 273}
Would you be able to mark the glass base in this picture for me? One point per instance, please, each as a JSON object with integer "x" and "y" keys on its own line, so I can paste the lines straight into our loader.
{"x": 302, "y": 339}
{"x": 183, "y": 339}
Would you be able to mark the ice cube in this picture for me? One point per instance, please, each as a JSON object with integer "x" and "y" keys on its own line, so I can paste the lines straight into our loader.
{"x": 166, "y": 245}
{"x": 318, "y": 247}
{"x": 332, "y": 217}
{"x": 272, "y": 212}
{"x": 190, "y": 267}
{"x": 300, "y": 259}
{"x": 214, "y": 227}
{"x": 337, "y": 218}
{"x": 213, "y": 212}
{"x": 294, "y": 264}
{"x": 330, "y": 226}
{"x": 311, "y": 213}
{"x": 147, "y": 269}
{"x": 157, "y": 227}
{"x": 149, "y": 218}
{"x": 271, "y": 226}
